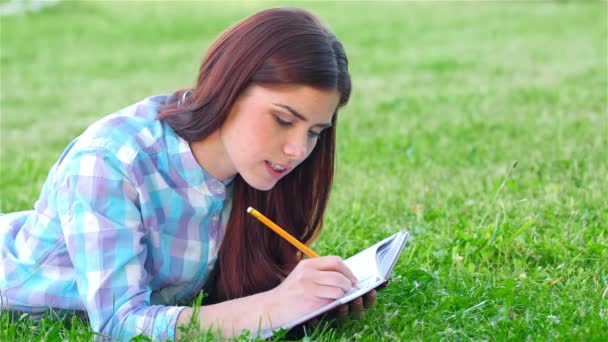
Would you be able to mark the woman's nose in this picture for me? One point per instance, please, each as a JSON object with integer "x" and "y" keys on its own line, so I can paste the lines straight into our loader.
{"x": 296, "y": 148}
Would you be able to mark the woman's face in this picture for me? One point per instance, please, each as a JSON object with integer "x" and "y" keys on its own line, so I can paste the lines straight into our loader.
{"x": 272, "y": 129}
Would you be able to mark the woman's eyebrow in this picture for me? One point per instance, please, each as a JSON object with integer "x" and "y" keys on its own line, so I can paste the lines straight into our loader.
{"x": 300, "y": 116}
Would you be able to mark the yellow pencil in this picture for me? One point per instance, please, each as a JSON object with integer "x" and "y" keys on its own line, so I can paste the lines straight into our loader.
{"x": 285, "y": 235}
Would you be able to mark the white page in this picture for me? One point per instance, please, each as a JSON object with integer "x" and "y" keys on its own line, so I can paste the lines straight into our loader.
{"x": 363, "y": 264}
{"x": 386, "y": 255}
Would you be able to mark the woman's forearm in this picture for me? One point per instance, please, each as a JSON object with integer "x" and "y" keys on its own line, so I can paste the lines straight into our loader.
{"x": 313, "y": 283}
{"x": 232, "y": 317}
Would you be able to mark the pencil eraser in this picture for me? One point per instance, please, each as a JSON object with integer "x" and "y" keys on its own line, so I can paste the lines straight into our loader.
{"x": 249, "y": 209}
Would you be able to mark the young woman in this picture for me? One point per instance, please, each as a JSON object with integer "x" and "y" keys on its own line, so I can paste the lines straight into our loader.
{"x": 148, "y": 205}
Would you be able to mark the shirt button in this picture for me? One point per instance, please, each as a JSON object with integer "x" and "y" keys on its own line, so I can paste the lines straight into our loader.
{"x": 217, "y": 188}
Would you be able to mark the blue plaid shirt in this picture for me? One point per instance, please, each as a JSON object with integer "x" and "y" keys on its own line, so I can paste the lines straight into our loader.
{"x": 127, "y": 226}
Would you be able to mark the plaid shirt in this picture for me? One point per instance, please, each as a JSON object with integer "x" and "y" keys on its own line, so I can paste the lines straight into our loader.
{"x": 127, "y": 226}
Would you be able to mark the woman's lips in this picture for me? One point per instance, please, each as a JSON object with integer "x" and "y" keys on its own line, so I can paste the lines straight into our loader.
{"x": 276, "y": 173}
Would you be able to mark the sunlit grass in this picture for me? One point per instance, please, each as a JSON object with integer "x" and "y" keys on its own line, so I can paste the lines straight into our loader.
{"x": 448, "y": 98}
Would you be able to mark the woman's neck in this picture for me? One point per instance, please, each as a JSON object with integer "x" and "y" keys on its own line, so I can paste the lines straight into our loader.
{"x": 211, "y": 155}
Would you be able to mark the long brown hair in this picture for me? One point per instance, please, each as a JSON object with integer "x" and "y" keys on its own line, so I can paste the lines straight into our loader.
{"x": 275, "y": 46}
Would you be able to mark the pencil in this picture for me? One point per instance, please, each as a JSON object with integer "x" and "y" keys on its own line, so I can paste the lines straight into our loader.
{"x": 285, "y": 235}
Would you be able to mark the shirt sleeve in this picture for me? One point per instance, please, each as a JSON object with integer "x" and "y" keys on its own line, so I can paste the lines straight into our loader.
{"x": 105, "y": 238}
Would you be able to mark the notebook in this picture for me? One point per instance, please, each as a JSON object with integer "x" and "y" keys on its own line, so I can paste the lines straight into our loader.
{"x": 371, "y": 266}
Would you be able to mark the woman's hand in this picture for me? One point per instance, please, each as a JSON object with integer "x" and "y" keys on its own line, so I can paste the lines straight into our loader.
{"x": 312, "y": 284}
{"x": 356, "y": 306}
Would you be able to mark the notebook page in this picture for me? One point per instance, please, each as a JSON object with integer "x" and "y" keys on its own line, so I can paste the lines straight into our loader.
{"x": 387, "y": 254}
{"x": 363, "y": 264}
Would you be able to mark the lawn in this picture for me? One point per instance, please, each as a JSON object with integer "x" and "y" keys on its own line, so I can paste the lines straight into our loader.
{"x": 481, "y": 127}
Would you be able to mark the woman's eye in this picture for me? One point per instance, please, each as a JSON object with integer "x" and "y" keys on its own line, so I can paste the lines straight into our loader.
{"x": 282, "y": 121}
{"x": 313, "y": 134}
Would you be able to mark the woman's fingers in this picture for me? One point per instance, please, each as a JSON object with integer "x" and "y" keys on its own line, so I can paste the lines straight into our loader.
{"x": 329, "y": 278}
{"x": 342, "y": 311}
{"x": 332, "y": 263}
{"x": 356, "y": 307}
{"x": 324, "y": 280}
{"x": 329, "y": 292}
{"x": 369, "y": 299}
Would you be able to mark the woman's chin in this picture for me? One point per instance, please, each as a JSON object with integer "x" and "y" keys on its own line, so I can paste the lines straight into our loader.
{"x": 261, "y": 185}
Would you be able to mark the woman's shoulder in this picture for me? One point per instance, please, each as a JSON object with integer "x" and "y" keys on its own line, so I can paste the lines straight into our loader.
{"x": 128, "y": 137}
{"x": 134, "y": 128}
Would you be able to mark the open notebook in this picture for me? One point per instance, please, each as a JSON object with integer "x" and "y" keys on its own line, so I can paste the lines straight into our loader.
{"x": 371, "y": 266}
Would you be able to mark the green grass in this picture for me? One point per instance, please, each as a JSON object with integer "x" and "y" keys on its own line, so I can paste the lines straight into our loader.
{"x": 448, "y": 97}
